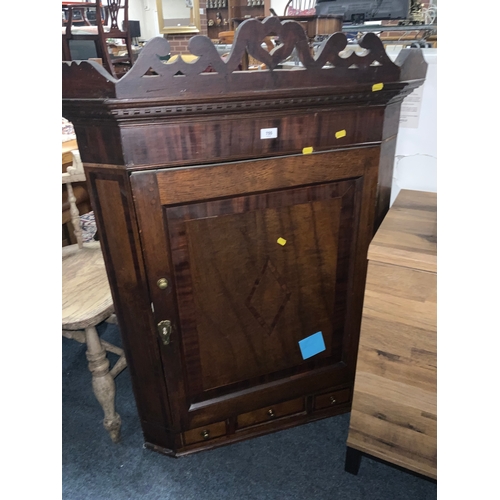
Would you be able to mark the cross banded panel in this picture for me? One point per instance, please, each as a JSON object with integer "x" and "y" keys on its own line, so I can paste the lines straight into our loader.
{"x": 245, "y": 300}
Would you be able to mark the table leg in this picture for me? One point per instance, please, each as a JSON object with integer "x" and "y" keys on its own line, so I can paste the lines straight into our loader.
{"x": 352, "y": 460}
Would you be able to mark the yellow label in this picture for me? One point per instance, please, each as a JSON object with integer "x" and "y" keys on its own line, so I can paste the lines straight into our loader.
{"x": 307, "y": 151}
{"x": 377, "y": 86}
{"x": 281, "y": 241}
{"x": 339, "y": 134}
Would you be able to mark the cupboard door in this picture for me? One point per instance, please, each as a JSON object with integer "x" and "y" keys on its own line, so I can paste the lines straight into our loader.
{"x": 258, "y": 256}
{"x": 256, "y": 274}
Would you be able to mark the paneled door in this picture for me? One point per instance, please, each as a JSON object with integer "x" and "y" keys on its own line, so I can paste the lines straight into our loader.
{"x": 252, "y": 274}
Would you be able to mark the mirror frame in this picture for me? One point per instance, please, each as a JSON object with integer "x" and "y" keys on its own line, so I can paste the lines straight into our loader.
{"x": 179, "y": 30}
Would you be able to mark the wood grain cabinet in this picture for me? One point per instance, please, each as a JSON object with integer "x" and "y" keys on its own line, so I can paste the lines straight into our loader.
{"x": 235, "y": 211}
{"x": 394, "y": 415}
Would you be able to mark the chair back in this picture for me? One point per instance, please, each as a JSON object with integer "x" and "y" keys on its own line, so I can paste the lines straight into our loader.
{"x": 111, "y": 22}
{"x": 109, "y": 15}
{"x": 300, "y": 8}
{"x": 114, "y": 16}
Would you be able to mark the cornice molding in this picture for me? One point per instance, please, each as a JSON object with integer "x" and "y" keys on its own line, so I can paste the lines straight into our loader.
{"x": 151, "y": 78}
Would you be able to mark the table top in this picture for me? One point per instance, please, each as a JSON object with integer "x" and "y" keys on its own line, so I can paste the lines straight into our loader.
{"x": 408, "y": 234}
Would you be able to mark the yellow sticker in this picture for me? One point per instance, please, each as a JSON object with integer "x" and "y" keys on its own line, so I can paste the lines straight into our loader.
{"x": 281, "y": 241}
{"x": 377, "y": 86}
{"x": 307, "y": 151}
{"x": 339, "y": 134}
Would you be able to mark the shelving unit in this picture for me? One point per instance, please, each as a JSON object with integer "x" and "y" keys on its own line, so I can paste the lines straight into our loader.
{"x": 217, "y": 17}
{"x": 220, "y": 13}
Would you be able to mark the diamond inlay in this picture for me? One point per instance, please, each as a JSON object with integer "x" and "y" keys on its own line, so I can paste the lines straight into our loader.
{"x": 268, "y": 297}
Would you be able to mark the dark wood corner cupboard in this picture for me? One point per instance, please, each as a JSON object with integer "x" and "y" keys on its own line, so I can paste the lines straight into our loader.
{"x": 235, "y": 211}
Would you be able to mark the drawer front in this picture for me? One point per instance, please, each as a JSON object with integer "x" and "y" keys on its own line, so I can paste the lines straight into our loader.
{"x": 236, "y": 136}
{"x": 270, "y": 413}
{"x": 205, "y": 433}
{"x": 331, "y": 399}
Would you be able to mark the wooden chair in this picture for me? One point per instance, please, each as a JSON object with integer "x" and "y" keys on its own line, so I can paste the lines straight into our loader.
{"x": 300, "y": 8}
{"x": 315, "y": 26}
{"x": 107, "y": 17}
{"x": 87, "y": 302}
{"x": 80, "y": 192}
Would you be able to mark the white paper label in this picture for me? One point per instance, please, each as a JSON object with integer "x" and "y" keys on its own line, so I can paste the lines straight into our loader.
{"x": 410, "y": 109}
{"x": 268, "y": 133}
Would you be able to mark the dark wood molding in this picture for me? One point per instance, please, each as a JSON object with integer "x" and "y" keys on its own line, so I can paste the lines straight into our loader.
{"x": 153, "y": 78}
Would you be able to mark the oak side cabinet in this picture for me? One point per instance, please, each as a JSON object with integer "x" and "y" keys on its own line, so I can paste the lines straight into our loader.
{"x": 394, "y": 414}
{"x": 235, "y": 209}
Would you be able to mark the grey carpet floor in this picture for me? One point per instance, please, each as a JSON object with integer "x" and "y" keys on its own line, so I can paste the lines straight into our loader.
{"x": 306, "y": 462}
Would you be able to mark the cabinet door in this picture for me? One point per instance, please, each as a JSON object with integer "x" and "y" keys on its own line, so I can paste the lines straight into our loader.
{"x": 256, "y": 270}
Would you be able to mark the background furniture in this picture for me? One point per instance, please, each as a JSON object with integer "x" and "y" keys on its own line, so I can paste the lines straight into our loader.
{"x": 86, "y": 302}
{"x": 392, "y": 34}
{"x": 221, "y": 14}
{"x": 227, "y": 38}
{"x": 314, "y": 26}
{"x": 111, "y": 22}
{"x": 80, "y": 193}
{"x": 300, "y": 8}
{"x": 235, "y": 211}
{"x": 394, "y": 414}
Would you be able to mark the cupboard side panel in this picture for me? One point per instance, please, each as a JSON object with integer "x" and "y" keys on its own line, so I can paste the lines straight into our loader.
{"x": 386, "y": 165}
{"x": 116, "y": 222}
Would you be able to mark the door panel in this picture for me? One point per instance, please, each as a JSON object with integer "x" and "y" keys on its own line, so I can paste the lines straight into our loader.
{"x": 245, "y": 299}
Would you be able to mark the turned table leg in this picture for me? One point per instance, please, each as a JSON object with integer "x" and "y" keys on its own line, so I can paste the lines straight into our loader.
{"x": 352, "y": 460}
{"x": 102, "y": 382}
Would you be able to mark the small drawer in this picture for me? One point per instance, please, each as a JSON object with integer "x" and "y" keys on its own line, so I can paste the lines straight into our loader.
{"x": 332, "y": 398}
{"x": 205, "y": 433}
{"x": 269, "y": 413}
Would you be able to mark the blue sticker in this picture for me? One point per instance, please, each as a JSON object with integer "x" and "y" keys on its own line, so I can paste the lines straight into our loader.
{"x": 312, "y": 345}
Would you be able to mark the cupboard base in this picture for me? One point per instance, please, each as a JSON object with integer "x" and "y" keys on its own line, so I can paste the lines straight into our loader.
{"x": 244, "y": 434}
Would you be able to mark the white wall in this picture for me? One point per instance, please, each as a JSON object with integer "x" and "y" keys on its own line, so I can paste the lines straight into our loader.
{"x": 415, "y": 165}
{"x": 279, "y": 6}
{"x": 146, "y": 13}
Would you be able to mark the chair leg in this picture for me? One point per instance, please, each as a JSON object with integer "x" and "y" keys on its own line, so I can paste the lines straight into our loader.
{"x": 103, "y": 382}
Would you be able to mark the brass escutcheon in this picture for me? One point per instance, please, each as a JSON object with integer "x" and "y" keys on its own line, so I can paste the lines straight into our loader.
{"x": 165, "y": 330}
{"x": 270, "y": 413}
{"x": 332, "y": 400}
{"x": 205, "y": 434}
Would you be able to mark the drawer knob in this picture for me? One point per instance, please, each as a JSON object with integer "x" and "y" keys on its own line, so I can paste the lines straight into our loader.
{"x": 271, "y": 413}
{"x": 205, "y": 434}
{"x": 332, "y": 400}
{"x": 162, "y": 283}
